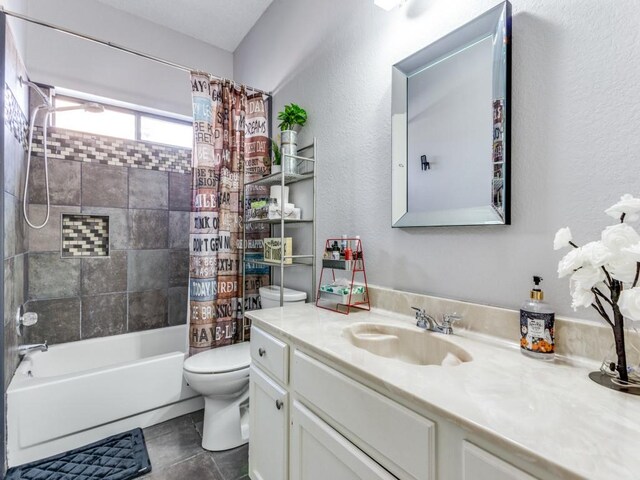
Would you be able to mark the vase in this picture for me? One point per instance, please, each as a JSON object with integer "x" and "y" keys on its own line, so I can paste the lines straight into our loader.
{"x": 276, "y": 168}
{"x": 289, "y": 147}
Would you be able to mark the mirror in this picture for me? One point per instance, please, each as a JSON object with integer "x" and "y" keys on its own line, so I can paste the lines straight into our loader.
{"x": 450, "y": 128}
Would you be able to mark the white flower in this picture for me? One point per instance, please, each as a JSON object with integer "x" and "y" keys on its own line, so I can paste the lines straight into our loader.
{"x": 617, "y": 237}
{"x": 621, "y": 268}
{"x": 587, "y": 277}
{"x": 633, "y": 252}
{"x": 628, "y": 205}
{"x": 582, "y": 298}
{"x": 562, "y": 238}
{"x": 629, "y": 303}
{"x": 596, "y": 254}
{"x": 571, "y": 262}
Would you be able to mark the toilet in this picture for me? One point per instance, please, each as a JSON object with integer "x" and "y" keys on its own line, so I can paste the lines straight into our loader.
{"x": 221, "y": 376}
{"x": 270, "y": 296}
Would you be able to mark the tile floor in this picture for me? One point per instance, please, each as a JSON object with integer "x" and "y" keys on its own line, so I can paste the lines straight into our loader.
{"x": 175, "y": 453}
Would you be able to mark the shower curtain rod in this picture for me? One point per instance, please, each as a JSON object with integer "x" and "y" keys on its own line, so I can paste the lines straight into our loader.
{"x": 117, "y": 47}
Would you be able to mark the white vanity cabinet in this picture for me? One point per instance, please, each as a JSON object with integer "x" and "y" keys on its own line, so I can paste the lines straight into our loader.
{"x": 269, "y": 408}
{"x": 478, "y": 464}
{"x": 330, "y": 426}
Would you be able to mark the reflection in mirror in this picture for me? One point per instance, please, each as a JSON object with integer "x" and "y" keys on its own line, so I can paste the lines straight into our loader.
{"x": 450, "y": 128}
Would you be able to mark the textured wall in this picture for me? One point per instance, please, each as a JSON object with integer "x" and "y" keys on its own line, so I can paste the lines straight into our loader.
{"x": 575, "y": 131}
{"x": 15, "y": 245}
{"x": 143, "y": 283}
{"x": 63, "y": 61}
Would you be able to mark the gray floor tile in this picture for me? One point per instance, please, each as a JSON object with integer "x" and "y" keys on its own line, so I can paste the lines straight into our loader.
{"x": 64, "y": 182}
{"x": 148, "y": 229}
{"x": 178, "y": 444}
{"x": 233, "y": 464}
{"x": 167, "y": 427}
{"x": 198, "y": 467}
{"x": 178, "y": 299}
{"x": 178, "y": 268}
{"x": 147, "y": 270}
{"x": 47, "y": 239}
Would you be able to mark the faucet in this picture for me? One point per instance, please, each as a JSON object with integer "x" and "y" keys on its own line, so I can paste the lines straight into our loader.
{"x": 26, "y": 349}
{"x": 426, "y": 321}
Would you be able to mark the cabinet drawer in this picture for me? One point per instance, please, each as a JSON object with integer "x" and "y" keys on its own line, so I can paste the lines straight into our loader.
{"x": 479, "y": 464}
{"x": 378, "y": 426}
{"x": 271, "y": 354}
{"x": 318, "y": 452}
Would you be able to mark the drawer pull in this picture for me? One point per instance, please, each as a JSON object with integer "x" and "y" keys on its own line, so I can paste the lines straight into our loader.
{"x": 262, "y": 352}
{"x": 278, "y": 404}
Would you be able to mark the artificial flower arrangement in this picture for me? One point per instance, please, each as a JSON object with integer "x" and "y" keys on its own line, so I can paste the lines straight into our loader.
{"x": 604, "y": 276}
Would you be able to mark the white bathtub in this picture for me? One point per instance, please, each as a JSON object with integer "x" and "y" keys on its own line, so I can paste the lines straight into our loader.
{"x": 80, "y": 392}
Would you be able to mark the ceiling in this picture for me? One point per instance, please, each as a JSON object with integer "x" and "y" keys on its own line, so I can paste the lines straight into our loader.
{"x": 223, "y": 23}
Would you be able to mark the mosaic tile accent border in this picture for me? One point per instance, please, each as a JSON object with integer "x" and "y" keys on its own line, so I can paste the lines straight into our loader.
{"x": 14, "y": 117}
{"x": 85, "y": 236}
{"x": 85, "y": 147}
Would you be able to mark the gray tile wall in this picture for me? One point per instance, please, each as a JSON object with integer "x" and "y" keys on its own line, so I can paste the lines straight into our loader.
{"x": 15, "y": 243}
{"x": 142, "y": 284}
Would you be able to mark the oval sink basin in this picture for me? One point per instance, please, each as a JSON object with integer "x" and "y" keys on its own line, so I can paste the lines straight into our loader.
{"x": 406, "y": 345}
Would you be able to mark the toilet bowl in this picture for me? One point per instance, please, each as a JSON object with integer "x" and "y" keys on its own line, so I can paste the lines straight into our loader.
{"x": 221, "y": 376}
{"x": 270, "y": 296}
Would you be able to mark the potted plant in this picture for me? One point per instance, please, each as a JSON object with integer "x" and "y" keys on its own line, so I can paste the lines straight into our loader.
{"x": 292, "y": 119}
{"x": 277, "y": 157}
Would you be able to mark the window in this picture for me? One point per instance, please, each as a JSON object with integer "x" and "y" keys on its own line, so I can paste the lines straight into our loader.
{"x": 122, "y": 123}
{"x": 162, "y": 130}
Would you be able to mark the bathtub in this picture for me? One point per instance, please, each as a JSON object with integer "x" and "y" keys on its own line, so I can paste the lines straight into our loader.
{"x": 80, "y": 392}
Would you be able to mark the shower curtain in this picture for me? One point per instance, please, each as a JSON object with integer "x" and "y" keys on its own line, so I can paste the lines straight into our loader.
{"x": 230, "y": 147}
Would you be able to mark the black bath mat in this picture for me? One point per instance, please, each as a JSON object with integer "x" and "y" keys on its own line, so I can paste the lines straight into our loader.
{"x": 119, "y": 457}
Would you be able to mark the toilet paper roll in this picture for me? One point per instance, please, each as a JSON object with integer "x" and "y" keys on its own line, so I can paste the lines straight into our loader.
{"x": 276, "y": 192}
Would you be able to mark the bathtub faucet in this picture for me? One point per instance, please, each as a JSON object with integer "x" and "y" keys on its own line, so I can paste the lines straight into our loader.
{"x": 25, "y": 349}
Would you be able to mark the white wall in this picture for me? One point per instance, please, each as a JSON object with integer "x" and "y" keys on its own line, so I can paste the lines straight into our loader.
{"x": 64, "y": 61}
{"x": 574, "y": 132}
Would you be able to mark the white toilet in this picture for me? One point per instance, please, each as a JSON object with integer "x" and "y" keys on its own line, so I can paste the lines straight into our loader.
{"x": 270, "y": 296}
{"x": 221, "y": 375}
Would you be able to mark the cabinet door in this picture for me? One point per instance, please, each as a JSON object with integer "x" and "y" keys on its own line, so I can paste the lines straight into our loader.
{"x": 318, "y": 452}
{"x": 268, "y": 433}
{"x": 479, "y": 464}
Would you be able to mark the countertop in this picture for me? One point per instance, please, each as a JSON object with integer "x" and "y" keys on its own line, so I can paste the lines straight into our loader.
{"x": 548, "y": 411}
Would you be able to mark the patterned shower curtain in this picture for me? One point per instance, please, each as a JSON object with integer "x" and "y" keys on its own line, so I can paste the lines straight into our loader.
{"x": 216, "y": 224}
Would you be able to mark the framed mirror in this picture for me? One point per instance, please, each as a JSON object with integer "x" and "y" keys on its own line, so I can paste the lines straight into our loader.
{"x": 450, "y": 128}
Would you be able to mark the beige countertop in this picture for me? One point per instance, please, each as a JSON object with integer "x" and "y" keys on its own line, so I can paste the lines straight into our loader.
{"x": 550, "y": 412}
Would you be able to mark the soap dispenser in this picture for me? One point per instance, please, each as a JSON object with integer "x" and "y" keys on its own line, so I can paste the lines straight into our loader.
{"x": 537, "y": 320}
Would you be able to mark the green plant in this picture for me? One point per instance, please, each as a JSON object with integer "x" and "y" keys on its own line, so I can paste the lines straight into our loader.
{"x": 292, "y": 115}
{"x": 277, "y": 156}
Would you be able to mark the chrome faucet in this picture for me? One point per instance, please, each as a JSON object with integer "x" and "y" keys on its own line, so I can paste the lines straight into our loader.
{"x": 426, "y": 321}
{"x": 26, "y": 349}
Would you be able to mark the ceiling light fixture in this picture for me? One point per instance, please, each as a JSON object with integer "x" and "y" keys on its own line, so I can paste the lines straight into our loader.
{"x": 388, "y": 4}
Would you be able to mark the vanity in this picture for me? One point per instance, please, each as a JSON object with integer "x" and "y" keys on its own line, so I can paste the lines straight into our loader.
{"x": 364, "y": 396}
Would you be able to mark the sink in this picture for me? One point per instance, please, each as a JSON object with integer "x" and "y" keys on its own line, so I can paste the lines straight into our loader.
{"x": 405, "y": 344}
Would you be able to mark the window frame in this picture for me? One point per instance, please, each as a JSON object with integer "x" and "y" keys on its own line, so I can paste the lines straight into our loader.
{"x": 138, "y": 114}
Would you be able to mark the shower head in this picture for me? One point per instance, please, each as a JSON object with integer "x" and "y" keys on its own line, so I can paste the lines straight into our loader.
{"x": 87, "y": 107}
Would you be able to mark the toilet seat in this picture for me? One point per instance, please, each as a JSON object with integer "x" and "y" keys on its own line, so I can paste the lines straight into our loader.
{"x": 229, "y": 358}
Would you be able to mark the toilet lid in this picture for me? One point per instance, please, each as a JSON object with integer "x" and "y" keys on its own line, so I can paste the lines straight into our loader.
{"x": 220, "y": 360}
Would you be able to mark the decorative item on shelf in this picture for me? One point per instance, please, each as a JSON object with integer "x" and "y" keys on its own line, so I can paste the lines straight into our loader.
{"x": 341, "y": 292}
{"x": 276, "y": 163}
{"x": 604, "y": 276}
{"x": 273, "y": 250}
{"x": 292, "y": 119}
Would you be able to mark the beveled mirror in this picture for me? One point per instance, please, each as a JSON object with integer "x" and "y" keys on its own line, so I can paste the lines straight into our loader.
{"x": 450, "y": 127}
